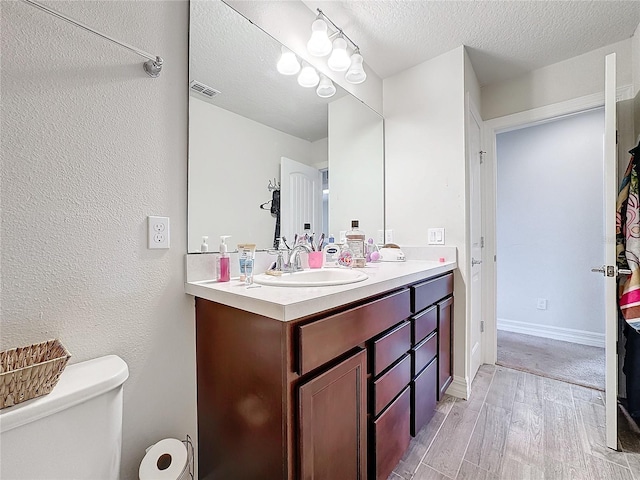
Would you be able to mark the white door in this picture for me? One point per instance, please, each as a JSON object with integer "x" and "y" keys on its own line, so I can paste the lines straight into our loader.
{"x": 475, "y": 227}
{"x": 611, "y": 301}
{"x": 300, "y": 198}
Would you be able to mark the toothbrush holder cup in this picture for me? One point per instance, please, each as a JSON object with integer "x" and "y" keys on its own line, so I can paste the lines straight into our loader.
{"x": 315, "y": 259}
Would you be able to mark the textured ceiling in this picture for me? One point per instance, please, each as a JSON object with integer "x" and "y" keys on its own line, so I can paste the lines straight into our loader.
{"x": 505, "y": 39}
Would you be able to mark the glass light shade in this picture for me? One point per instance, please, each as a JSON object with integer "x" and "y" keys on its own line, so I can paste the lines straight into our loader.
{"x": 339, "y": 60}
{"x": 319, "y": 44}
{"x": 356, "y": 73}
{"x": 288, "y": 63}
{"x": 308, "y": 77}
{"x": 326, "y": 88}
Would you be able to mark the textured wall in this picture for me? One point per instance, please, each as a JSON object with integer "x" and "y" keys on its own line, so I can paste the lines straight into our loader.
{"x": 90, "y": 147}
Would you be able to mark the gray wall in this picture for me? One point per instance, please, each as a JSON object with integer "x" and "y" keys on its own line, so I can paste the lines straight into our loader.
{"x": 550, "y": 223}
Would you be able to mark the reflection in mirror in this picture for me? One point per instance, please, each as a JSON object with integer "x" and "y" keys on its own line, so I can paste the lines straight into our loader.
{"x": 262, "y": 128}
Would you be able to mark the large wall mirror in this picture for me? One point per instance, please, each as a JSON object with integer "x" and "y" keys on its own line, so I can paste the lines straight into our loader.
{"x": 263, "y": 130}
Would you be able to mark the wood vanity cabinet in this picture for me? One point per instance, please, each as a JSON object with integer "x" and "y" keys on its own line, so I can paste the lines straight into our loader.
{"x": 335, "y": 395}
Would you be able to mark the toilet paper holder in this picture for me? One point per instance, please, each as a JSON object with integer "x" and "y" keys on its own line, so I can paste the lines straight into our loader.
{"x": 164, "y": 461}
{"x": 190, "y": 456}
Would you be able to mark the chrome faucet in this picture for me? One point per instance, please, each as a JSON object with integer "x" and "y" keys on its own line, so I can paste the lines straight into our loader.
{"x": 293, "y": 265}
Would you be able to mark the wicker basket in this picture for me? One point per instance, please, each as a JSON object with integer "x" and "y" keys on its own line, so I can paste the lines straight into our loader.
{"x": 29, "y": 372}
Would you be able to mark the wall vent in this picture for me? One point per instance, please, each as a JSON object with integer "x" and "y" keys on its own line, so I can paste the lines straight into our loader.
{"x": 202, "y": 89}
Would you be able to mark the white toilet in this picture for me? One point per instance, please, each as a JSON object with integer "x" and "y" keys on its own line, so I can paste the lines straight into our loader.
{"x": 75, "y": 432}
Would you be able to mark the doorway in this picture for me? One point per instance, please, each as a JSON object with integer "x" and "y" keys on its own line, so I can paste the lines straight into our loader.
{"x": 550, "y": 219}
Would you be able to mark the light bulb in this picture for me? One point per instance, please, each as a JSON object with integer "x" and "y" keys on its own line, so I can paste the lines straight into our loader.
{"x": 339, "y": 59}
{"x": 288, "y": 63}
{"x": 319, "y": 44}
{"x": 356, "y": 73}
{"x": 326, "y": 88}
{"x": 308, "y": 77}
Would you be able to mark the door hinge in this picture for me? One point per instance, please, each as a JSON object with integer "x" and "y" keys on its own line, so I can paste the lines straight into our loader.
{"x": 481, "y": 242}
{"x": 481, "y": 326}
{"x": 617, "y": 137}
{"x": 495, "y": 258}
{"x": 482, "y": 153}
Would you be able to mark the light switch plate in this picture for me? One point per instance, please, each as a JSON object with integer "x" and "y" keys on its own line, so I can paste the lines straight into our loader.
{"x": 436, "y": 236}
{"x": 158, "y": 232}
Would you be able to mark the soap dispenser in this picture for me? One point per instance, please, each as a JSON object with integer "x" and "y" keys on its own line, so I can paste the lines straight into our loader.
{"x": 331, "y": 253}
{"x": 223, "y": 264}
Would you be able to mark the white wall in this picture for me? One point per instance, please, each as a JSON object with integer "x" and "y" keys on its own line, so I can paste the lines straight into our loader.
{"x": 425, "y": 165}
{"x": 90, "y": 147}
{"x": 550, "y": 223}
{"x": 232, "y": 160}
{"x": 356, "y": 167}
{"x": 569, "y": 79}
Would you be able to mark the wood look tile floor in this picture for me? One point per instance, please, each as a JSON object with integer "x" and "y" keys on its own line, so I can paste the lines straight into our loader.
{"x": 518, "y": 426}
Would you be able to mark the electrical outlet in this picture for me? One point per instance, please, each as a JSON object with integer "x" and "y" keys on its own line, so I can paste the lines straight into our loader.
{"x": 343, "y": 236}
{"x": 380, "y": 237}
{"x": 542, "y": 304}
{"x": 436, "y": 236}
{"x": 158, "y": 232}
{"x": 388, "y": 236}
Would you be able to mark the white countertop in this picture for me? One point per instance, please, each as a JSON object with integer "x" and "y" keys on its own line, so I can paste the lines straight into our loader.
{"x": 290, "y": 303}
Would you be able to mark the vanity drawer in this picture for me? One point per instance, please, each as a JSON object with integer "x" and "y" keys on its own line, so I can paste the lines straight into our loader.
{"x": 429, "y": 292}
{"x": 423, "y": 324}
{"x": 323, "y": 340}
{"x": 390, "y": 384}
{"x": 424, "y": 390}
{"x": 424, "y": 352}
{"x": 391, "y": 434}
{"x": 390, "y": 347}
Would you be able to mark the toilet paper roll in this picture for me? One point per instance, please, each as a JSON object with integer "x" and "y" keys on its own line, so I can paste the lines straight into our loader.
{"x": 166, "y": 460}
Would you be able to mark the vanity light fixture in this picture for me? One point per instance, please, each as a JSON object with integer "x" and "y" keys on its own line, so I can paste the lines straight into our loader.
{"x": 320, "y": 45}
{"x": 308, "y": 77}
{"x": 326, "y": 88}
{"x": 339, "y": 60}
{"x": 288, "y": 63}
{"x": 356, "y": 73}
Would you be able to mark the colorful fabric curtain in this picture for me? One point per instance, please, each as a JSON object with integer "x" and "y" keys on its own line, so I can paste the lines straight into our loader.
{"x": 628, "y": 244}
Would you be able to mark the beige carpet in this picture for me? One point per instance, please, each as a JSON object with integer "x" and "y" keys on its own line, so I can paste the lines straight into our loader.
{"x": 569, "y": 362}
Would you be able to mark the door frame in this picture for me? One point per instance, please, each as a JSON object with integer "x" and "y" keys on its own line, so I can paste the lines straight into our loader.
{"x": 492, "y": 128}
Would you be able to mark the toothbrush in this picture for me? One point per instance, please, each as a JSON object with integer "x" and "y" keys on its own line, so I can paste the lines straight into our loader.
{"x": 321, "y": 242}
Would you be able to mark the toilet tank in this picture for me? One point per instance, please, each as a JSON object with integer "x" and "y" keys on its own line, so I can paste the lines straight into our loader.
{"x": 74, "y": 432}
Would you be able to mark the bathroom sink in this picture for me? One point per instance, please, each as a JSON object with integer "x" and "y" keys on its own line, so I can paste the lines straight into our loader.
{"x": 312, "y": 278}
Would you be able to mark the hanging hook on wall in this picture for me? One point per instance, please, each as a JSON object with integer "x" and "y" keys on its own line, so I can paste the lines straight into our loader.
{"x": 264, "y": 205}
{"x": 274, "y": 186}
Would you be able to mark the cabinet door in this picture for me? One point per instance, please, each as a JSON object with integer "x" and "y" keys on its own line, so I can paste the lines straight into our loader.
{"x": 445, "y": 333}
{"x": 333, "y": 422}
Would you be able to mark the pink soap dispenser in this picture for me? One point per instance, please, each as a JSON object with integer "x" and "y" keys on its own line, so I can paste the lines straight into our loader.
{"x": 222, "y": 263}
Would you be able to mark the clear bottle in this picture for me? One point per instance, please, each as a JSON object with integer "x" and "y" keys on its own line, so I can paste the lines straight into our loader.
{"x": 223, "y": 263}
{"x": 355, "y": 240}
{"x": 331, "y": 253}
{"x": 204, "y": 247}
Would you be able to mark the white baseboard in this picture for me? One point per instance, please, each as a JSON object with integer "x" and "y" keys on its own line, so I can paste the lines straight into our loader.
{"x": 459, "y": 388}
{"x": 582, "y": 337}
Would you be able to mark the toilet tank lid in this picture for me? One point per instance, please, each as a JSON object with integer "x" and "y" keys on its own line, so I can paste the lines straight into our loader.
{"x": 78, "y": 383}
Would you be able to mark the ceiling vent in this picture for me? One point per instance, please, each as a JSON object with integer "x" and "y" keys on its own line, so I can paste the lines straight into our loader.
{"x": 202, "y": 89}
